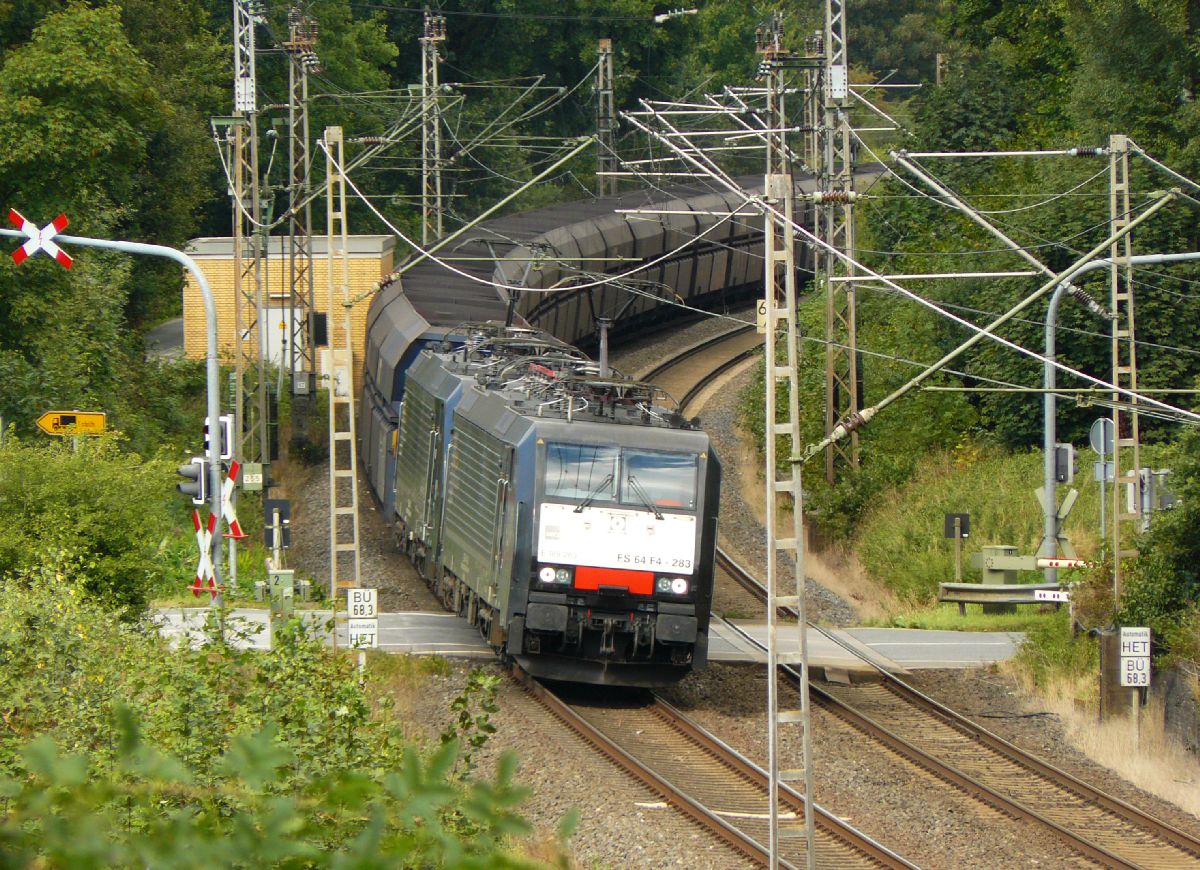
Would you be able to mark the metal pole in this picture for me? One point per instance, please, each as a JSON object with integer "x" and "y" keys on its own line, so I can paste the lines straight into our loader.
{"x": 1103, "y": 493}
{"x": 958, "y": 549}
{"x": 212, "y": 368}
{"x": 606, "y": 122}
{"x": 603, "y": 323}
{"x": 1049, "y": 545}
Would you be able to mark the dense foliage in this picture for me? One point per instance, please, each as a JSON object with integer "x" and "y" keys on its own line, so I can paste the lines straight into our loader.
{"x": 118, "y": 750}
{"x": 108, "y": 514}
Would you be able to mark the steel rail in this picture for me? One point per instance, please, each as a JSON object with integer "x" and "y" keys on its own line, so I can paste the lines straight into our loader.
{"x": 978, "y": 735}
{"x": 707, "y": 820}
{"x": 832, "y": 824}
{"x": 691, "y": 351}
{"x": 739, "y": 767}
{"x": 943, "y": 771}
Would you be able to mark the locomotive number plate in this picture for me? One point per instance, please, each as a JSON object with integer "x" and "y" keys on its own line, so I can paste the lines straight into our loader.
{"x": 615, "y": 538}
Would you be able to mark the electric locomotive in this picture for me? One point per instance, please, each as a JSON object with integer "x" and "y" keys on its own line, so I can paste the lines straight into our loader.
{"x": 570, "y": 516}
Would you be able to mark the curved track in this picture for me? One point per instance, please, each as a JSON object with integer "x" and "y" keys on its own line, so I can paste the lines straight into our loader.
{"x": 1101, "y": 827}
{"x": 686, "y": 373}
{"x": 934, "y": 737}
{"x": 716, "y": 787}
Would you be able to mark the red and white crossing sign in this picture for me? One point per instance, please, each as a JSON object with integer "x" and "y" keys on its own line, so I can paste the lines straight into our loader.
{"x": 204, "y": 569}
{"x": 39, "y": 240}
{"x": 227, "y": 511}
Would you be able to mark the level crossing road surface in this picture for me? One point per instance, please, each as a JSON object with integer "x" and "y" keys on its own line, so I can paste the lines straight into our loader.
{"x": 422, "y": 633}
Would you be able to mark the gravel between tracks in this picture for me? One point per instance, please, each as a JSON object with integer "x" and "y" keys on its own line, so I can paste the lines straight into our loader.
{"x": 623, "y": 824}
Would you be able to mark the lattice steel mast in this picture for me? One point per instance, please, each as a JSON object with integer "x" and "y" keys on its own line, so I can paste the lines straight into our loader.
{"x": 344, "y": 570}
{"x": 1124, "y": 350}
{"x": 250, "y": 368}
{"x": 779, "y": 295}
{"x": 431, "y": 129}
{"x": 835, "y": 225}
{"x": 300, "y": 356}
{"x": 606, "y": 123}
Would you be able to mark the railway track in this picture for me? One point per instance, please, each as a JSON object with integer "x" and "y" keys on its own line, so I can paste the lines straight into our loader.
{"x": 685, "y": 374}
{"x": 692, "y": 770}
{"x": 1101, "y": 827}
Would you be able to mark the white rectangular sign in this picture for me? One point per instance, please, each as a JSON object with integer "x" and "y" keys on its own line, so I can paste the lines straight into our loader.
{"x": 1050, "y": 595}
{"x": 361, "y": 603}
{"x": 613, "y": 538}
{"x": 1135, "y": 642}
{"x": 364, "y": 633}
{"x": 1135, "y": 656}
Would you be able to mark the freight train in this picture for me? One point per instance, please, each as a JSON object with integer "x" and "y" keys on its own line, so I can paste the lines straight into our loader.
{"x": 570, "y": 515}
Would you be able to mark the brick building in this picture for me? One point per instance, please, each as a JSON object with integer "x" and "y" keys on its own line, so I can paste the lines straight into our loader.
{"x": 370, "y": 259}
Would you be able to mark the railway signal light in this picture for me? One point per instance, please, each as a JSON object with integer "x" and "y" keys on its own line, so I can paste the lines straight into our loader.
{"x": 226, "y": 423}
{"x": 196, "y": 485}
{"x": 1064, "y": 463}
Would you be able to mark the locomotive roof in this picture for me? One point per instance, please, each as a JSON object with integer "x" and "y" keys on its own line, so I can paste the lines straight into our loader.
{"x": 537, "y": 376}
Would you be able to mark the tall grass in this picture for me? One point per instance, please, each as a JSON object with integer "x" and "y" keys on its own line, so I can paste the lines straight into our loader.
{"x": 900, "y": 538}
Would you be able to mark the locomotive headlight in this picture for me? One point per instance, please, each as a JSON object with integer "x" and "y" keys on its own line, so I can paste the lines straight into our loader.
{"x": 679, "y": 586}
{"x": 663, "y": 584}
{"x": 563, "y": 575}
{"x": 546, "y": 575}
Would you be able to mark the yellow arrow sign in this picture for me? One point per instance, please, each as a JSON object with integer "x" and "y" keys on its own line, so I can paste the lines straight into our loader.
{"x": 72, "y": 422}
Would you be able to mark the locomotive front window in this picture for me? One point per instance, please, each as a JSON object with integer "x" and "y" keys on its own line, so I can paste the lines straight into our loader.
{"x": 659, "y": 479}
{"x": 581, "y": 471}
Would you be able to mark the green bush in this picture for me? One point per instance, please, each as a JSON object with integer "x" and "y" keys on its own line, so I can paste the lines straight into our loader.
{"x": 116, "y": 514}
{"x": 119, "y": 750}
{"x": 900, "y": 538}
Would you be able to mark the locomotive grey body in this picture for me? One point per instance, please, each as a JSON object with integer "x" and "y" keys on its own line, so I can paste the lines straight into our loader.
{"x": 571, "y": 517}
{"x": 459, "y": 461}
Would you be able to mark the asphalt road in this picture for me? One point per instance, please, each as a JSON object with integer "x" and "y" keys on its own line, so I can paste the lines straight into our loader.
{"x": 447, "y": 635}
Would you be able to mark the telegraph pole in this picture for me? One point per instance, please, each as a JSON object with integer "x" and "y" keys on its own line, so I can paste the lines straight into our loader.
{"x": 431, "y": 129}
{"x": 835, "y": 225}
{"x": 606, "y": 123}
{"x": 779, "y": 309}
{"x": 300, "y": 355}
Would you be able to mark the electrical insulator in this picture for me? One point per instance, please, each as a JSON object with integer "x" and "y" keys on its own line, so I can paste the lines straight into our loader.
{"x": 1087, "y": 152}
{"x": 842, "y": 197}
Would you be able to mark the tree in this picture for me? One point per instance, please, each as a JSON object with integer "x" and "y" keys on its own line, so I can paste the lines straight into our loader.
{"x": 103, "y": 138}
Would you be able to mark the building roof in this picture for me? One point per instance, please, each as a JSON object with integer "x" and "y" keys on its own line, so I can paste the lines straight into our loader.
{"x": 221, "y": 247}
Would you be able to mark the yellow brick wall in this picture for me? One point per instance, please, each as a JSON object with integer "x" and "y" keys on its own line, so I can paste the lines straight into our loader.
{"x": 364, "y": 271}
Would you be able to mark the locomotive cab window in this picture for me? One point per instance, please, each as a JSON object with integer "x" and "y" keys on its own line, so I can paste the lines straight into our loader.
{"x": 659, "y": 479}
{"x": 581, "y": 471}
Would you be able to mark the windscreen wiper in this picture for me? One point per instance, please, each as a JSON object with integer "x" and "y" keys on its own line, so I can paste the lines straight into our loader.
{"x": 641, "y": 493}
{"x": 595, "y": 492}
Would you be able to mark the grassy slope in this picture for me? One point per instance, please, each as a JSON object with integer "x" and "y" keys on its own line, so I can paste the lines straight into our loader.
{"x": 900, "y": 538}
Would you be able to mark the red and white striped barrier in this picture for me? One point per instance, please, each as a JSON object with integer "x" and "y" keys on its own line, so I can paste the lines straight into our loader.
{"x": 1063, "y": 563}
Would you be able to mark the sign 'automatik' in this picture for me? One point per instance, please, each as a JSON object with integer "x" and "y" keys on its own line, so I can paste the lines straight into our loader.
{"x": 1135, "y": 656}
